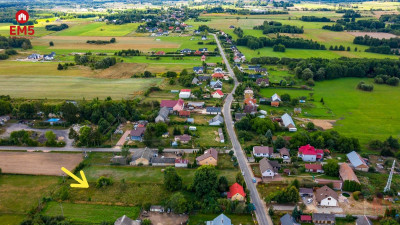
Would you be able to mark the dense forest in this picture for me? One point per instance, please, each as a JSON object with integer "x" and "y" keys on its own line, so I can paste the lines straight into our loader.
{"x": 382, "y": 46}
{"x": 256, "y": 43}
{"x": 364, "y": 25}
{"x": 277, "y": 27}
{"x": 10, "y": 42}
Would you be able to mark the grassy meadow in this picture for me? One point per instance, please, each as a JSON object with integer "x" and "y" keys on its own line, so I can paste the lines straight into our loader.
{"x": 89, "y": 213}
{"x": 365, "y": 115}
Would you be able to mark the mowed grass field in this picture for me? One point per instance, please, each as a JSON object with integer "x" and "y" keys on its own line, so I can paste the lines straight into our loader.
{"x": 365, "y": 115}
{"x": 99, "y": 29}
{"x": 89, "y": 213}
{"x": 69, "y": 87}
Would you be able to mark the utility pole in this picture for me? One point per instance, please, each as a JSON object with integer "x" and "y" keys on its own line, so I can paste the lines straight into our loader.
{"x": 389, "y": 181}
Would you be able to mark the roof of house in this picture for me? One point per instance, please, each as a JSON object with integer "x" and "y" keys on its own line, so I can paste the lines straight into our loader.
{"x": 305, "y": 218}
{"x": 195, "y": 80}
{"x": 204, "y": 78}
{"x": 184, "y": 137}
{"x": 250, "y": 101}
{"x": 185, "y": 90}
{"x": 219, "y": 92}
{"x": 208, "y": 153}
{"x": 213, "y": 109}
{"x": 265, "y": 165}
{"x": 287, "y": 120}
{"x": 164, "y": 112}
{"x": 250, "y": 108}
{"x": 220, "y": 220}
{"x": 239, "y": 116}
{"x": 313, "y": 166}
{"x": 162, "y": 160}
{"x": 310, "y": 150}
{"x": 124, "y": 220}
{"x": 263, "y": 150}
{"x": 218, "y": 75}
{"x": 260, "y": 80}
{"x": 287, "y": 219}
{"x": 217, "y": 118}
{"x": 236, "y": 189}
{"x": 196, "y": 104}
{"x": 139, "y": 131}
{"x": 284, "y": 151}
{"x": 168, "y": 103}
{"x": 145, "y": 154}
{"x": 276, "y": 97}
{"x": 347, "y": 173}
{"x": 325, "y": 192}
{"x": 184, "y": 113}
{"x": 306, "y": 191}
{"x": 275, "y": 164}
{"x": 323, "y": 217}
{"x": 183, "y": 161}
{"x": 363, "y": 220}
{"x": 355, "y": 159}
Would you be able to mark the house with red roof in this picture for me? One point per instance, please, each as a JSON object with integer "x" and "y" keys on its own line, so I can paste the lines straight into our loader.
{"x": 172, "y": 105}
{"x": 185, "y": 93}
{"x": 305, "y": 219}
{"x": 160, "y": 53}
{"x": 217, "y": 94}
{"x": 250, "y": 101}
{"x": 218, "y": 75}
{"x": 184, "y": 113}
{"x": 314, "y": 168}
{"x": 236, "y": 192}
{"x": 309, "y": 154}
{"x": 197, "y": 52}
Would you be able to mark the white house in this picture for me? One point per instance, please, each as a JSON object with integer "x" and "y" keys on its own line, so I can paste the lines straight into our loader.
{"x": 276, "y": 98}
{"x": 262, "y": 151}
{"x": 185, "y": 93}
{"x": 267, "y": 170}
{"x": 217, "y": 94}
{"x": 326, "y": 197}
{"x": 309, "y": 154}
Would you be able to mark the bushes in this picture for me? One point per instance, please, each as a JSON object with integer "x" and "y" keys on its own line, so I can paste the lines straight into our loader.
{"x": 356, "y": 195}
{"x": 56, "y": 27}
{"x": 279, "y": 48}
{"x": 277, "y": 27}
{"x": 101, "y": 42}
{"x": 349, "y": 185}
{"x": 103, "y": 182}
{"x": 365, "y": 87}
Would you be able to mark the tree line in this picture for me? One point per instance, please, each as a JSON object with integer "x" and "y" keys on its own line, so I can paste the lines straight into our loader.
{"x": 277, "y": 27}
{"x": 56, "y": 27}
{"x": 256, "y": 43}
{"x": 101, "y": 42}
{"x": 314, "y": 19}
{"x": 95, "y": 62}
{"x": 383, "y": 46}
{"x": 364, "y": 25}
{"x": 385, "y": 79}
{"x": 10, "y": 42}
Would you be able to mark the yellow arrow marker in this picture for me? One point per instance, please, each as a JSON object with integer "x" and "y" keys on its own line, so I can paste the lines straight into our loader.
{"x": 82, "y": 182}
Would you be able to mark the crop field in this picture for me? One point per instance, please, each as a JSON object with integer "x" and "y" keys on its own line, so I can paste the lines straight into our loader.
{"x": 99, "y": 29}
{"x": 358, "y": 113}
{"x": 38, "y": 163}
{"x": 89, "y": 213}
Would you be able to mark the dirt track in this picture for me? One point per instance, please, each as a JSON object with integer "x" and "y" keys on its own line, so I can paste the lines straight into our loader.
{"x": 38, "y": 163}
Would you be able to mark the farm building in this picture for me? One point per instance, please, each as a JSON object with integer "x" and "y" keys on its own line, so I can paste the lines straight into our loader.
{"x": 287, "y": 219}
{"x": 156, "y": 208}
{"x": 314, "y": 168}
{"x": 163, "y": 115}
{"x": 322, "y": 218}
{"x": 210, "y": 157}
{"x": 262, "y": 151}
{"x": 236, "y": 192}
{"x": 216, "y": 121}
{"x": 49, "y": 56}
{"x": 326, "y": 196}
{"x": 309, "y": 154}
{"x": 346, "y": 173}
{"x": 287, "y": 122}
{"x": 221, "y": 135}
{"x": 213, "y": 110}
{"x": 275, "y": 100}
{"x": 357, "y": 161}
{"x": 185, "y": 93}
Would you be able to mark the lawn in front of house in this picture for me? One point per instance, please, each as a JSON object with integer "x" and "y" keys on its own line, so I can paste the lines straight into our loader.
{"x": 198, "y": 218}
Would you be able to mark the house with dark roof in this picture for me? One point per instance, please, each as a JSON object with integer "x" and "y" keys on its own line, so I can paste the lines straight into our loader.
{"x": 210, "y": 157}
{"x": 262, "y": 82}
{"x": 313, "y": 168}
{"x": 142, "y": 157}
{"x": 306, "y": 192}
{"x": 204, "y": 78}
{"x": 250, "y": 109}
{"x": 287, "y": 219}
{"x": 198, "y": 69}
{"x": 216, "y": 85}
{"x": 285, "y": 155}
{"x": 213, "y": 110}
{"x": 262, "y": 151}
{"x": 137, "y": 134}
{"x": 186, "y": 51}
{"x": 162, "y": 161}
{"x": 326, "y": 196}
{"x": 236, "y": 192}
{"x": 357, "y": 162}
{"x": 184, "y": 139}
{"x": 323, "y": 218}
{"x": 163, "y": 115}
{"x": 239, "y": 116}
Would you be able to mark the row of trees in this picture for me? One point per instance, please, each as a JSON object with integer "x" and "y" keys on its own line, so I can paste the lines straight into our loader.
{"x": 101, "y": 42}
{"x": 382, "y": 46}
{"x": 11, "y": 42}
{"x": 277, "y": 27}
{"x": 314, "y": 19}
{"x": 55, "y": 27}
{"x": 385, "y": 79}
{"x": 95, "y": 62}
{"x": 256, "y": 43}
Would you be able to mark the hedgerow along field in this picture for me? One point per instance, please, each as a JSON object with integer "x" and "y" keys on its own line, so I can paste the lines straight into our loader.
{"x": 364, "y": 115}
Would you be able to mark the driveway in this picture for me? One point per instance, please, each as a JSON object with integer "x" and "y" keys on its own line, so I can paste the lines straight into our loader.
{"x": 19, "y": 126}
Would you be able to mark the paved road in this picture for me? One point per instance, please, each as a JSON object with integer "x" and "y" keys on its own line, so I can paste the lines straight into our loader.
{"x": 262, "y": 216}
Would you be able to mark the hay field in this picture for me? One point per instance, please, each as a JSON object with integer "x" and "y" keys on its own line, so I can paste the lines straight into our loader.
{"x": 38, "y": 163}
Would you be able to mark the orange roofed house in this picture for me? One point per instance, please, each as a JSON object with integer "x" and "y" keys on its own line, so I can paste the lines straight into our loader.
{"x": 210, "y": 157}
{"x": 236, "y": 192}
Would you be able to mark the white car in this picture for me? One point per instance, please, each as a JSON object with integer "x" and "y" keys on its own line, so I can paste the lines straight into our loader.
{"x": 309, "y": 200}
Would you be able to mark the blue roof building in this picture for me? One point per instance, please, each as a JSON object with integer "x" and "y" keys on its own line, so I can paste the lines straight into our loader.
{"x": 220, "y": 220}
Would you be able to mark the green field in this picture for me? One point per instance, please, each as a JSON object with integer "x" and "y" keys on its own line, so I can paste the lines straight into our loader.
{"x": 365, "y": 115}
{"x": 90, "y": 214}
{"x": 59, "y": 87}
{"x": 99, "y": 29}
{"x": 11, "y": 219}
